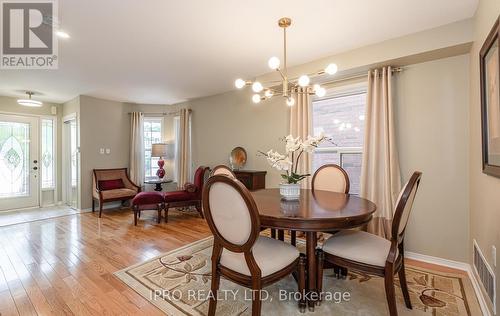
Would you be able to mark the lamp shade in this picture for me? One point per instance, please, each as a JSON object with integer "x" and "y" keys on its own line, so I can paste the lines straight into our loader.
{"x": 159, "y": 150}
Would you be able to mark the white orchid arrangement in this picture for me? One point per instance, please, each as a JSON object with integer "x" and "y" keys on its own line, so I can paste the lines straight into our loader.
{"x": 289, "y": 162}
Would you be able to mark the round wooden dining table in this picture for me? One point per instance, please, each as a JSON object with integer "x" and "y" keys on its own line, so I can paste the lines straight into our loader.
{"x": 315, "y": 211}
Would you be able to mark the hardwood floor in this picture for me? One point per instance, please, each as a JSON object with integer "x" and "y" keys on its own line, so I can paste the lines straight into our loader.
{"x": 65, "y": 265}
{"x": 34, "y": 214}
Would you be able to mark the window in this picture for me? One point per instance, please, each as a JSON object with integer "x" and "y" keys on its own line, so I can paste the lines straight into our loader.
{"x": 341, "y": 116}
{"x": 153, "y": 131}
{"x": 47, "y": 157}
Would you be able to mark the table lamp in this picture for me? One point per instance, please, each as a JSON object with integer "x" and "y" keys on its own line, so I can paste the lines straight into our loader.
{"x": 160, "y": 150}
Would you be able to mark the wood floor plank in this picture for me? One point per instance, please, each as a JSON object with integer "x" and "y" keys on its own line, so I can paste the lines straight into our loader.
{"x": 65, "y": 265}
{"x": 7, "y": 304}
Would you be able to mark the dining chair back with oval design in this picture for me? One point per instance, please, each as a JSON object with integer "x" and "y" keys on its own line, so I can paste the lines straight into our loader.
{"x": 331, "y": 177}
{"x": 364, "y": 252}
{"x": 240, "y": 254}
{"x": 224, "y": 170}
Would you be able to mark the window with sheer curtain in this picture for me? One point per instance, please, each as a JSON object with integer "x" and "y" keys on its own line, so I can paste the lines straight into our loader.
{"x": 153, "y": 131}
{"x": 340, "y": 115}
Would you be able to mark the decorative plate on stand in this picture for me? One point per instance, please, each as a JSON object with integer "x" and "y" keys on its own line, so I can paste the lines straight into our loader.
{"x": 238, "y": 158}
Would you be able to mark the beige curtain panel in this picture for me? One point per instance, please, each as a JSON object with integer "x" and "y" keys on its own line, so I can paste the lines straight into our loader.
{"x": 380, "y": 173}
{"x": 301, "y": 126}
{"x": 184, "y": 159}
{"x": 137, "y": 148}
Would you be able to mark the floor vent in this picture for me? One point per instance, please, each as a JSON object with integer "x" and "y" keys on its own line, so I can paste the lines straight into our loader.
{"x": 486, "y": 275}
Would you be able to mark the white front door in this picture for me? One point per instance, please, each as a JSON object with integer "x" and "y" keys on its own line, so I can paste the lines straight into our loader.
{"x": 19, "y": 185}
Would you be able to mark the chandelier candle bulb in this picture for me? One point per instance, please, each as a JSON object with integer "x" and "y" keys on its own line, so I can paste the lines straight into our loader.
{"x": 274, "y": 63}
{"x": 256, "y": 98}
{"x": 304, "y": 81}
{"x": 331, "y": 69}
{"x": 320, "y": 92}
{"x": 290, "y": 101}
{"x": 257, "y": 87}
{"x": 269, "y": 94}
{"x": 239, "y": 83}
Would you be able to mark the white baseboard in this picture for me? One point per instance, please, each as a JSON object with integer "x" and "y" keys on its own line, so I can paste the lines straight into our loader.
{"x": 459, "y": 266}
{"x": 438, "y": 261}
{"x": 106, "y": 206}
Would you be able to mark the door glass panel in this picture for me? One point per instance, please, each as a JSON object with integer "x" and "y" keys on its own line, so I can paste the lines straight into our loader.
{"x": 47, "y": 163}
{"x": 14, "y": 159}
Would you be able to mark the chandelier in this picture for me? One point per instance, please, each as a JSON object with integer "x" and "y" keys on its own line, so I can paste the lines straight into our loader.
{"x": 288, "y": 86}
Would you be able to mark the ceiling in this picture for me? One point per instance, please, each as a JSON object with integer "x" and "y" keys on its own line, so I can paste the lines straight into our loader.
{"x": 164, "y": 51}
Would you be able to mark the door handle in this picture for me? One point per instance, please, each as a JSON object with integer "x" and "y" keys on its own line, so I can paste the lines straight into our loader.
{"x": 35, "y": 161}
{"x": 35, "y": 168}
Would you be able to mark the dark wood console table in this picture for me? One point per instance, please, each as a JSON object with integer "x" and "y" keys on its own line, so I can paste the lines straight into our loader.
{"x": 252, "y": 179}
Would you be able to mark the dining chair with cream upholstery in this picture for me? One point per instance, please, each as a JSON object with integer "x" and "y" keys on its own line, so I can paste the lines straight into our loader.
{"x": 332, "y": 178}
{"x": 239, "y": 253}
{"x": 367, "y": 253}
{"x": 223, "y": 169}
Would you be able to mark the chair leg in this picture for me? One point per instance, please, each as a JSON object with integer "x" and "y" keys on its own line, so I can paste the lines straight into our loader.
{"x": 343, "y": 273}
{"x": 93, "y": 205}
{"x": 389, "y": 291}
{"x": 100, "y": 209}
{"x": 212, "y": 306}
{"x": 404, "y": 285}
{"x": 273, "y": 233}
{"x": 165, "y": 207}
{"x": 135, "y": 214}
{"x": 293, "y": 238}
{"x": 320, "y": 258}
{"x": 256, "y": 299}
{"x": 159, "y": 213}
{"x": 302, "y": 282}
{"x": 198, "y": 208}
{"x": 281, "y": 234}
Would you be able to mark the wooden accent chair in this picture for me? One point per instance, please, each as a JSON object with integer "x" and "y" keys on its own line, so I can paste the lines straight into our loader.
{"x": 239, "y": 253}
{"x": 190, "y": 195}
{"x": 110, "y": 185}
{"x": 223, "y": 169}
{"x": 364, "y": 252}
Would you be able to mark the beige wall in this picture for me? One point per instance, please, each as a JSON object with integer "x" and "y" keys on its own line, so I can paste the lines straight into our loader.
{"x": 225, "y": 121}
{"x": 484, "y": 189}
{"x": 432, "y": 130}
{"x": 103, "y": 124}
{"x": 106, "y": 124}
{"x": 9, "y": 105}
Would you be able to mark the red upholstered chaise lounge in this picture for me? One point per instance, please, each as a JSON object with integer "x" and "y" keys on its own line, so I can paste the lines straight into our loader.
{"x": 190, "y": 196}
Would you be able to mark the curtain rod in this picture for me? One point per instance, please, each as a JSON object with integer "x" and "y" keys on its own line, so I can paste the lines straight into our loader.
{"x": 359, "y": 75}
{"x": 162, "y": 113}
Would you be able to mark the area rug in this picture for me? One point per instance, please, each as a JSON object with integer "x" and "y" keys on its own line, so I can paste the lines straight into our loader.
{"x": 178, "y": 283}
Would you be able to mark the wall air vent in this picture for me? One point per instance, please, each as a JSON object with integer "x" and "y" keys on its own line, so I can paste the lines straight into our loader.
{"x": 486, "y": 275}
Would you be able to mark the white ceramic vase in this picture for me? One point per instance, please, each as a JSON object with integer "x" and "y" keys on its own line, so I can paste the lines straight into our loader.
{"x": 290, "y": 191}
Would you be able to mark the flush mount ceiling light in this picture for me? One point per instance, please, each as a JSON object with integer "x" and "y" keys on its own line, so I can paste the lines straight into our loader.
{"x": 29, "y": 101}
{"x": 62, "y": 34}
{"x": 288, "y": 85}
